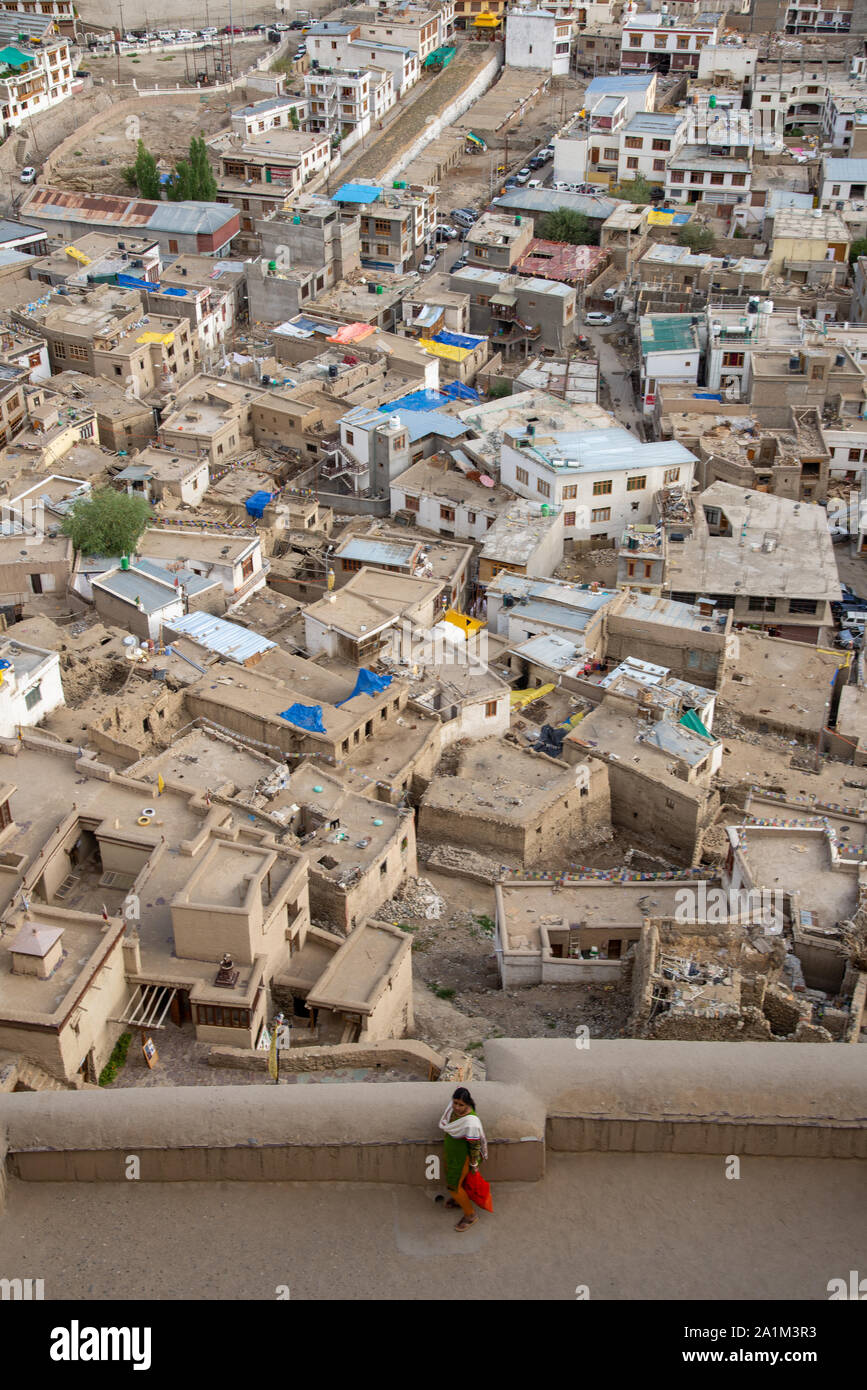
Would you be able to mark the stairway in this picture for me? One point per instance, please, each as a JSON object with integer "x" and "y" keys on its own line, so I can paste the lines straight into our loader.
{"x": 32, "y": 1077}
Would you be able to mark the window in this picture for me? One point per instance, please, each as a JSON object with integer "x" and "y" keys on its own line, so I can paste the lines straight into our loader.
{"x": 490, "y": 709}
{"x": 696, "y": 177}
{"x": 739, "y": 180}
{"x": 854, "y": 455}
{"x": 522, "y": 475}
{"x": 634, "y": 142}
{"x": 661, "y": 145}
{"x": 601, "y": 488}
{"x": 447, "y": 513}
{"x": 471, "y": 518}
{"x": 733, "y": 359}
{"x": 411, "y": 503}
{"x": 671, "y": 475}
{"x": 659, "y": 165}
{"x": 33, "y": 696}
{"x": 569, "y": 519}
{"x": 682, "y": 43}
{"x": 247, "y": 567}
{"x": 221, "y": 1017}
{"x": 661, "y": 40}
{"x": 173, "y": 247}
{"x": 632, "y": 163}
{"x": 677, "y": 175}
{"x": 570, "y": 491}
{"x": 717, "y": 179}
{"x": 636, "y": 484}
{"x": 758, "y": 604}
{"x": 634, "y": 40}
{"x": 802, "y": 605}
{"x": 350, "y": 564}
{"x": 77, "y": 350}
{"x": 349, "y": 437}
{"x": 612, "y": 154}
{"x": 543, "y": 488}
{"x": 600, "y": 514}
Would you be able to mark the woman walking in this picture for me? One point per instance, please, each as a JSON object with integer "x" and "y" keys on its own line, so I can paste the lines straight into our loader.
{"x": 465, "y": 1148}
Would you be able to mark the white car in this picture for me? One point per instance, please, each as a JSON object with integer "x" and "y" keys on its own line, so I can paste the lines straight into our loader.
{"x": 130, "y": 38}
{"x": 166, "y": 36}
{"x": 597, "y": 320}
{"x": 427, "y": 265}
{"x": 186, "y": 36}
{"x": 28, "y": 175}
{"x": 208, "y": 33}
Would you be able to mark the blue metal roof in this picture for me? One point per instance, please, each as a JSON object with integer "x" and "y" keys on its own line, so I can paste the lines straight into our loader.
{"x": 846, "y": 170}
{"x": 227, "y": 639}
{"x": 378, "y": 552}
{"x": 358, "y": 193}
{"x": 421, "y": 423}
{"x": 192, "y": 582}
{"x": 616, "y": 86}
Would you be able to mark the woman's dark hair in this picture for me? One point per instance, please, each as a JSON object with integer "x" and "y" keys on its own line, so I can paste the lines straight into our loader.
{"x": 463, "y": 1094}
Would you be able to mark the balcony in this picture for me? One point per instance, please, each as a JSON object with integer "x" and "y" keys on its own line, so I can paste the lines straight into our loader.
{"x": 517, "y": 332}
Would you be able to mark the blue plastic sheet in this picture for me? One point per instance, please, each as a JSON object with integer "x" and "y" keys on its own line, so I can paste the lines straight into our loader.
{"x": 462, "y": 340}
{"x": 257, "y": 503}
{"x": 305, "y": 717}
{"x": 457, "y": 391}
{"x": 368, "y": 683}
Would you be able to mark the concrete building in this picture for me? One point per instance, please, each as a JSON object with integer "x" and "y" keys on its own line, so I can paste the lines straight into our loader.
{"x": 516, "y": 312}
{"x": 38, "y": 68}
{"x": 665, "y": 44}
{"x": 235, "y": 562}
{"x": 159, "y": 474}
{"x": 347, "y": 103}
{"x": 257, "y": 176}
{"x": 438, "y": 497}
{"x": 392, "y": 550}
{"x": 497, "y": 242}
{"x": 505, "y": 801}
{"x": 536, "y": 38}
{"x": 647, "y": 142}
{"x": 810, "y": 247}
{"x": 31, "y": 687}
{"x": 396, "y": 224}
{"x": 122, "y": 422}
{"x": 601, "y": 479}
{"x": 670, "y": 351}
{"x": 28, "y": 569}
{"x": 526, "y": 539}
{"x": 353, "y": 622}
{"x": 344, "y": 46}
{"x": 768, "y": 559}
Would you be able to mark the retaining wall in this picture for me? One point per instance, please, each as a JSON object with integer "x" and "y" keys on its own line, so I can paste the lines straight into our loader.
{"x": 623, "y": 1096}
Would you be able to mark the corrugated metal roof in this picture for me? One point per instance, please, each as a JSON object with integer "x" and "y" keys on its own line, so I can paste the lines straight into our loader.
{"x": 358, "y": 193}
{"x": 192, "y": 582}
{"x": 539, "y": 200}
{"x": 846, "y": 170}
{"x": 217, "y": 635}
{"x": 132, "y": 584}
{"x": 56, "y": 204}
{"x": 604, "y": 450}
{"x": 372, "y": 551}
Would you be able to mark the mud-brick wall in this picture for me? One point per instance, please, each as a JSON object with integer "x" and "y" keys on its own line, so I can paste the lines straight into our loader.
{"x": 653, "y": 809}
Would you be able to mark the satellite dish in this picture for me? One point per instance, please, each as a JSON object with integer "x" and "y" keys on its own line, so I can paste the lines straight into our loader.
{"x": 130, "y": 641}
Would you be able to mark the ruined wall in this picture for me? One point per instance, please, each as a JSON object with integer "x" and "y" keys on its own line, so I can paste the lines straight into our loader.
{"x": 668, "y": 646}
{"x": 345, "y": 908}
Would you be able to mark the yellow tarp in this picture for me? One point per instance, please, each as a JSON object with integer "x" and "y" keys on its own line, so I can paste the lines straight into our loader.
{"x": 461, "y": 620}
{"x": 519, "y": 698}
{"x": 77, "y": 255}
{"x": 487, "y": 21}
{"x": 448, "y": 350}
{"x": 660, "y": 219}
{"x": 164, "y": 338}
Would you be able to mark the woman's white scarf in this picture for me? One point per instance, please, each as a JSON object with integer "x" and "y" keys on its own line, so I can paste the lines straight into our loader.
{"x": 466, "y": 1127}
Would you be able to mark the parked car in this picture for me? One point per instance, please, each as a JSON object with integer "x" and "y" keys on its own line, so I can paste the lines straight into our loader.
{"x": 610, "y": 293}
{"x": 428, "y": 264}
{"x": 82, "y": 72}
{"x": 535, "y": 183}
{"x": 302, "y": 51}
{"x": 467, "y": 212}
{"x": 130, "y": 38}
{"x": 296, "y": 24}
{"x": 186, "y": 36}
{"x": 444, "y": 232}
{"x": 547, "y": 153}
{"x": 28, "y": 174}
{"x": 463, "y": 217}
{"x": 231, "y": 29}
{"x": 166, "y": 36}
{"x": 537, "y": 161}
{"x": 511, "y": 184}
{"x": 459, "y": 264}
{"x": 211, "y": 33}
{"x": 283, "y": 27}
{"x": 597, "y": 320}
{"x": 523, "y": 175}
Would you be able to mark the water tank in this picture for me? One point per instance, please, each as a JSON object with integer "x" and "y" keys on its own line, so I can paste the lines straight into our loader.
{"x": 394, "y": 422}
{"x": 124, "y": 562}
{"x": 296, "y": 221}
{"x": 272, "y": 267}
{"x": 767, "y": 306}
{"x": 333, "y": 371}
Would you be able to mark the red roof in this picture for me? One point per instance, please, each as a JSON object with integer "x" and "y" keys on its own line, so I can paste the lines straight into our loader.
{"x": 559, "y": 260}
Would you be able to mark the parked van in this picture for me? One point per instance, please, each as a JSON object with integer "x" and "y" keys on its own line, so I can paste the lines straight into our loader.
{"x": 166, "y": 35}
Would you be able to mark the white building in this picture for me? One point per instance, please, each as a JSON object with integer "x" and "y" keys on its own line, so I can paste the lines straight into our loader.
{"x": 588, "y": 148}
{"x": 30, "y": 685}
{"x": 715, "y": 162}
{"x": 335, "y": 45}
{"x": 348, "y": 102}
{"x": 843, "y": 180}
{"x": 732, "y": 59}
{"x": 538, "y": 39}
{"x": 37, "y": 68}
{"x": 602, "y": 479}
{"x": 670, "y": 351}
{"x": 647, "y": 143}
{"x": 660, "y": 41}
{"x": 262, "y": 116}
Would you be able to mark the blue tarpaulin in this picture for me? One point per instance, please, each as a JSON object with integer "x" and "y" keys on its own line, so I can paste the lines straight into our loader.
{"x": 367, "y": 683}
{"x": 177, "y": 290}
{"x": 416, "y": 400}
{"x": 305, "y": 717}
{"x": 462, "y": 340}
{"x": 457, "y": 391}
{"x": 257, "y": 503}
{"x": 130, "y": 282}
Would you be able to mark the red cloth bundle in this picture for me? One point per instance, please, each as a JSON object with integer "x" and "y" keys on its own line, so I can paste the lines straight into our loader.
{"x": 478, "y": 1191}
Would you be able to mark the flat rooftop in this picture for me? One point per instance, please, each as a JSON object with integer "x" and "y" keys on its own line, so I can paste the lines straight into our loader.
{"x": 798, "y": 859}
{"x": 396, "y": 1243}
{"x": 788, "y": 683}
{"x": 500, "y": 781}
{"x": 590, "y": 902}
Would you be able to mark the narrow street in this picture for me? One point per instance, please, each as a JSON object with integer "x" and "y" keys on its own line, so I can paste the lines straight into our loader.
{"x": 616, "y": 374}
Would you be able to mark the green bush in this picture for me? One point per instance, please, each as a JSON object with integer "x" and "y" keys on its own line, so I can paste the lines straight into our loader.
{"x": 116, "y": 1060}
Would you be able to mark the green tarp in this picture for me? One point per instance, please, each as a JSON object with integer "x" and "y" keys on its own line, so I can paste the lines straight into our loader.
{"x": 440, "y": 58}
{"x": 691, "y": 720}
{"x": 14, "y": 58}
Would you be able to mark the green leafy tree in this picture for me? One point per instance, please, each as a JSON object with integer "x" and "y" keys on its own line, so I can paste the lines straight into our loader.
{"x": 566, "y": 225}
{"x": 293, "y": 117}
{"x": 107, "y": 522}
{"x": 193, "y": 179}
{"x": 144, "y": 175}
{"x": 636, "y": 190}
{"x": 695, "y": 236}
{"x": 858, "y": 248}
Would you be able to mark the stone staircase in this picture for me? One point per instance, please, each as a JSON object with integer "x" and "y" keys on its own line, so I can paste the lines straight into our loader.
{"x": 32, "y": 1077}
